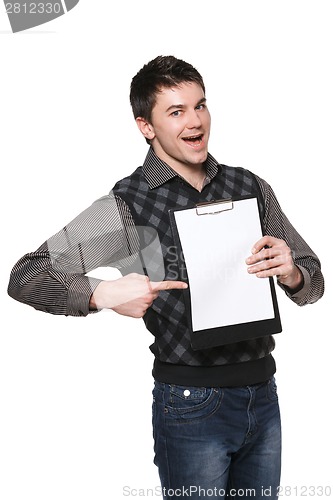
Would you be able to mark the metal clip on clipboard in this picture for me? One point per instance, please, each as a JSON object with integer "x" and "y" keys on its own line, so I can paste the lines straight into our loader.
{"x": 214, "y": 207}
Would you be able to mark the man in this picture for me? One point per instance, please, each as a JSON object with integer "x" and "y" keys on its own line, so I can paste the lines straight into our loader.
{"x": 216, "y": 420}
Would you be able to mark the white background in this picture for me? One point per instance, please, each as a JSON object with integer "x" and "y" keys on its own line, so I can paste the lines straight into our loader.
{"x": 75, "y": 417}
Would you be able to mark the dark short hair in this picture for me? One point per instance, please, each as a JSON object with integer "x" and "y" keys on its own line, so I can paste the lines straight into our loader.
{"x": 161, "y": 72}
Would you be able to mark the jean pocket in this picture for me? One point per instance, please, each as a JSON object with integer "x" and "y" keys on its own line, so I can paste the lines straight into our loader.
{"x": 188, "y": 403}
{"x": 272, "y": 394}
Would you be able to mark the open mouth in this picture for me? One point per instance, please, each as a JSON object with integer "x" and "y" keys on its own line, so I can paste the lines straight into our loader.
{"x": 193, "y": 140}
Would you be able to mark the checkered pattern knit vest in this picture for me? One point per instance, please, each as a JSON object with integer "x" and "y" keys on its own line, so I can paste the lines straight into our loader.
{"x": 166, "y": 318}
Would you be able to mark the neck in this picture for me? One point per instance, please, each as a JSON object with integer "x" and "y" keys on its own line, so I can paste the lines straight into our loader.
{"x": 193, "y": 175}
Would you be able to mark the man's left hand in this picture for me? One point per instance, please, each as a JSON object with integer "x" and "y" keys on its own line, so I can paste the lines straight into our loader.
{"x": 272, "y": 257}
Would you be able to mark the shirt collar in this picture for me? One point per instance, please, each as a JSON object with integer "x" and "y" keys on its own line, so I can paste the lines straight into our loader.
{"x": 157, "y": 172}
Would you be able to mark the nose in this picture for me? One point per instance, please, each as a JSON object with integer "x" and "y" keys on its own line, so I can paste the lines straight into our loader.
{"x": 193, "y": 119}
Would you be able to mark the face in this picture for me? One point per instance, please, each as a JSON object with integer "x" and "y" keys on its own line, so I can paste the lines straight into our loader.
{"x": 180, "y": 126}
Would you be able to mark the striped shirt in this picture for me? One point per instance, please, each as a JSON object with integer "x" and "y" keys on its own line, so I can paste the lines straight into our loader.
{"x": 53, "y": 278}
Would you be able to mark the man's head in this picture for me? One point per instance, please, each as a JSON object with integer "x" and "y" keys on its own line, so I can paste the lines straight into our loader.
{"x": 161, "y": 72}
{"x": 169, "y": 106}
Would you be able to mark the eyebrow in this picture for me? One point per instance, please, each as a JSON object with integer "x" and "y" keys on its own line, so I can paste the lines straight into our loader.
{"x": 182, "y": 106}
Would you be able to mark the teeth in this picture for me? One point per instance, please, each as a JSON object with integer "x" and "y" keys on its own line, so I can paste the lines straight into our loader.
{"x": 192, "y": 137}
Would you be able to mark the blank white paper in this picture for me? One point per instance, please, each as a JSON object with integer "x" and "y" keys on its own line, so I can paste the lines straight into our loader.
{"x": 215, "y": 247}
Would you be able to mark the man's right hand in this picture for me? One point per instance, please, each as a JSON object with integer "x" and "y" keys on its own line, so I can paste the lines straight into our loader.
{"x": 130, "y": 295}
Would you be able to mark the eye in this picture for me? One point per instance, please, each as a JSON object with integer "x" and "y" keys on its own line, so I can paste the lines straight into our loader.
{"x": 176, "y": 113}
{"x": 201, "y": 106}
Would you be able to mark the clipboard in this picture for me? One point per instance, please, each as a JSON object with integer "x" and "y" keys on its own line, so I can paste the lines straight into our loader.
{"x": 224, "y": 303}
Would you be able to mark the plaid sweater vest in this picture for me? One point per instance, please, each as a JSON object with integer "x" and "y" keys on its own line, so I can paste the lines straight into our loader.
{"x": 166, "y": 318}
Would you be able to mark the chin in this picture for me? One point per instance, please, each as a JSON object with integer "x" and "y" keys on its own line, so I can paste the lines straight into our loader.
{"x": 200, "y": 157}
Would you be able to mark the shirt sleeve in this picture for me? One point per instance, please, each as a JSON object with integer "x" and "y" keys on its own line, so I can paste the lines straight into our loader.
{"x": 53, "y": 278}
{"x": 276, "y": 224}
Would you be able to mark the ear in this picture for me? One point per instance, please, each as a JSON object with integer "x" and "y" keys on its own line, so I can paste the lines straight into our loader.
{"x": 146, "y": 128}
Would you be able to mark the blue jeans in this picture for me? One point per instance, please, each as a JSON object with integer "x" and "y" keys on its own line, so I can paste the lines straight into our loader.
{"x": 217, "y": 442}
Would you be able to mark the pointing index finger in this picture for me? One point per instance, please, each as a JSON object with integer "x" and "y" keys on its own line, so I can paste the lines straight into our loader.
{"x": 168, "y": 285}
